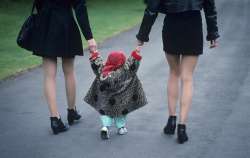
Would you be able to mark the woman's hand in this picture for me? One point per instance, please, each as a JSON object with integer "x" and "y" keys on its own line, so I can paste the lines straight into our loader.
{"x": 92, "y": 45}
{"x": 213, "y": 44}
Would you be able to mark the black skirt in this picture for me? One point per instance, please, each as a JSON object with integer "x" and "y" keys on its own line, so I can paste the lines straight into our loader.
{"x": 182, "y": 33}
{"x": 58, "y": 34}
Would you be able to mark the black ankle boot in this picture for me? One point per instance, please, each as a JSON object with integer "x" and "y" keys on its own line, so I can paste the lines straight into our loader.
{"x": 171, "y": 125}
{"x": 57, "y": 125}
{"x": 73, "y": 115}
{"x": 181, "y": 134}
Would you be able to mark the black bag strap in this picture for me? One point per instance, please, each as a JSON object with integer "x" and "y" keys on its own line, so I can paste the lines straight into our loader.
{"x": 33, "y": 7}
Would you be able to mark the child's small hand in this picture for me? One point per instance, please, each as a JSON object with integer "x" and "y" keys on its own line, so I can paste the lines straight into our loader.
{"x": 136, "y": 55}
{"x": 94, "y": 55}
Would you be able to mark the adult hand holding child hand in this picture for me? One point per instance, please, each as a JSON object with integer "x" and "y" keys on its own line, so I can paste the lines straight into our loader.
{"x": 139, "y": 46}
{"x": 92, "y": 45}
{"x": 213, "y": 44}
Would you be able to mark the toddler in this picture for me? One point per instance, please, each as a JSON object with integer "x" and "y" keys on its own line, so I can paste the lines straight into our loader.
{"x": 116, "y": 90}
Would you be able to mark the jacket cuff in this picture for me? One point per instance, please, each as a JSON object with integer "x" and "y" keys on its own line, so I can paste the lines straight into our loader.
{"x": 136, "y": 56}
{"x": 94, "y": 56}
{"x": 212, "y": 36}
{"x": 142, "y": 38}
{"x": 89, "y": 36}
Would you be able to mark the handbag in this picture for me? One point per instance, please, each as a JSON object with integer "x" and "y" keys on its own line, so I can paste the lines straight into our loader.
{"x": 25, "y": 38}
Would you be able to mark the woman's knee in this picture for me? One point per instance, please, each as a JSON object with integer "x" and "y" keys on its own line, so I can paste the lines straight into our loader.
{"x": 186, "y": 77}
{"x": 188, "y": 65}
{"x": 174, "y": 65}
{"x": 68, "y": 67}
{"x": 174, "y": 70}
{"x": 175, "y": 73}
{"x": 68, "y": 72}
{"x": 50, "y": 67}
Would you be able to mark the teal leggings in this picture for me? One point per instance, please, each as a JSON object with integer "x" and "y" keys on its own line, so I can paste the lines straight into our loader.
{"x": 107, "y": 121}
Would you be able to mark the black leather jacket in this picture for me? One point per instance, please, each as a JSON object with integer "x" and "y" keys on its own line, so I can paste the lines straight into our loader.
{"x": 176, "y": 6}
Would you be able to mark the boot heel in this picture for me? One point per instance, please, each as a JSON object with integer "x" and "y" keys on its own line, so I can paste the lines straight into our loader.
{"x": 70, "y": 121}
{"x": 57, "y": 125}
{"x": 55, "y": 131}
{"x": 182, "y": 134}
{"x": 169, "y": 129}
{"x": 73, "y": 116}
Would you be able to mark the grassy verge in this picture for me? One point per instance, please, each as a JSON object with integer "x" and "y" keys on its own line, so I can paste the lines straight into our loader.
{"x": 107, "y": 17}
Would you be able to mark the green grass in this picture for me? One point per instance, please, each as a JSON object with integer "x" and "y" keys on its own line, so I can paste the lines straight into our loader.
{"x": 107, "y": 18}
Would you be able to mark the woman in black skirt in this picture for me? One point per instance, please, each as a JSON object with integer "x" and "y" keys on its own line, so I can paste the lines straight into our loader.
{"x": 183, "y": 43}
{"x": 58, "y": 36}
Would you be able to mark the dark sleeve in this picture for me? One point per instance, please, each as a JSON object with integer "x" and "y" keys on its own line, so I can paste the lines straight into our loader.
{"x": 82, "y": 18}
{"x": 211, "y": 19}
{"x": 150, "y": 15}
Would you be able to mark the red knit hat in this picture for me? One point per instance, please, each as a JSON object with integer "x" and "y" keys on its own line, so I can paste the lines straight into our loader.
{"x": 115, "y": 61}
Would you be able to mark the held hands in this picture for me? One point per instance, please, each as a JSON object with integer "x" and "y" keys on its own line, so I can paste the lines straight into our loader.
{"x": 92, "y": 45}
{"x": 93, "y": 49}
{"x": 213, "y": 44}
{"x": 139, "y": 46}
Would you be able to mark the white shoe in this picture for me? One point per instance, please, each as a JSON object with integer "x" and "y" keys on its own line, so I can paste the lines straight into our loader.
{"x": 122, "y": 131}
{"x": 105, "y": 133}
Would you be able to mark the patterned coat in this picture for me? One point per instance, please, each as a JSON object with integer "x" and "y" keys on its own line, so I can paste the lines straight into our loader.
{"x": 120, "y": 92}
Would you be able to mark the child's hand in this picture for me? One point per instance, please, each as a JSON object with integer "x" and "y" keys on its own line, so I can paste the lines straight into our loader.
{"x": 94, "y": 55}
{"x": 136, "y": 55}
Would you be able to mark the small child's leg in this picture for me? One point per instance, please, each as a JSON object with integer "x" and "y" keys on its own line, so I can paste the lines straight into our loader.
{"x": 106, "y": 123}
{"x": 120, "y": 123}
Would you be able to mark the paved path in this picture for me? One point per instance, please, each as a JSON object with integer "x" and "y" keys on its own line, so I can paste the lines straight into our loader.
{"x": 219, "y": 124}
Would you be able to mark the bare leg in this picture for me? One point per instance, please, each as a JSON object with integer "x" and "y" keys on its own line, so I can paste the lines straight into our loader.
{"x": 70, "y": 81}
{"x": 188, "y": 64}
{"x": 50, "y": 68}
{"x": 173, "y": 83}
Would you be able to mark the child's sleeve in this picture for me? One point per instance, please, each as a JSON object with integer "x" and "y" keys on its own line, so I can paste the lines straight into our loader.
{"x": 96, "y": 62}
{"x": 133, "y": 62}
{"x": 129, "y": 68}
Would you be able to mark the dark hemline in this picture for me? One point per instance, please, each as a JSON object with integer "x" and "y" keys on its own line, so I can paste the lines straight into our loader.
{"x": 187, "y": 54}
{"x": 46, "y": 56}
